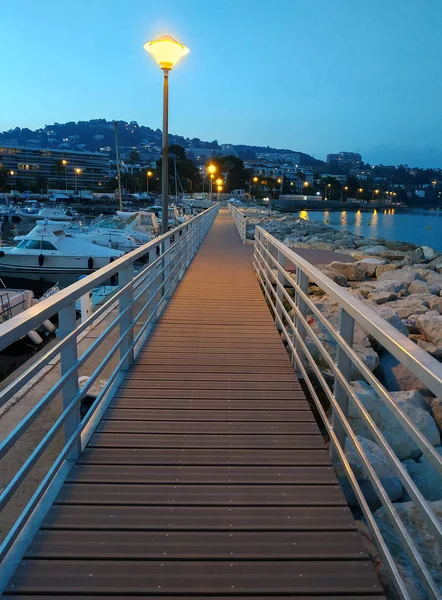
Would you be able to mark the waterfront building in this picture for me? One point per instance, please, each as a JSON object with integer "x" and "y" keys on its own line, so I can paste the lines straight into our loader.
{"x": 61, "y": 168}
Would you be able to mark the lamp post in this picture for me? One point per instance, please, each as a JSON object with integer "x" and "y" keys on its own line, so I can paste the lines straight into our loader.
{"x": 167, "y": 52}
{"x": 77, "y": 172}
{"x": 326, "y": 188}
{"x": 373, "y": 194}
{"x": 148, "y": 174}
{"x": 65, "y": 164}
{"x": 219, "y": 182}
{"x": 211, "y": 169}
{"x": 219, "y": 188}
{"x": 342, "y": 193}
{"x": 359, "y": 191}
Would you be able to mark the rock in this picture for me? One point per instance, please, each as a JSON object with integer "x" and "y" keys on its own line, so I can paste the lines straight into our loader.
{"x": 435, "y": 304}
{"x": 423, "y": 287}
{"x": 392, "y": 317}
{"x": 382, "y": 467}
{"x": 429, "y": 253}
{"x": 373, "y": 250}
{"x": 333, "y": 274}
{"x": 436, "y": 264}
{"x": 398, "y": 275}
{"x": 431, "y": 348}
{"x": 416, "y": 256}
{"x": 351, "y": 271}
{"x": 324, "y": 246}
{"x": 383, "y": 297}
{"x": 425, "y": 477}
{"x": 431, "y": 326}
{"x": 427, "y": 545}
{"x": 384, "y": 268}
{"x": 413, "y": 397}
{"x": 409, "y": 306}
{"x": 396, "y": 287}
{"x": 396, "y": 377}
{"x": 371, "y": 264}
{"x": 396, "y": 436}
{"x": 436, "y": 411}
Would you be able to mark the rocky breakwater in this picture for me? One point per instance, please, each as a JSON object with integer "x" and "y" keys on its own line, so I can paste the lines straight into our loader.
{"x": 403, "y": 284}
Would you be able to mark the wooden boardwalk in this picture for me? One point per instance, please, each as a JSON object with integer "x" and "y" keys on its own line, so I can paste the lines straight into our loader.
{"x": 208, "y": 475}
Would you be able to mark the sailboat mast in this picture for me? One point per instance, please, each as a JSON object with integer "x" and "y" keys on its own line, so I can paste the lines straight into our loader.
{"x": 118, "y": 165}
{"x": 176, "y": 183}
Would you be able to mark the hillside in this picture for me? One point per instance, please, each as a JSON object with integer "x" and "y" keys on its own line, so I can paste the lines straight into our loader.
{"x": 98, "y": 135}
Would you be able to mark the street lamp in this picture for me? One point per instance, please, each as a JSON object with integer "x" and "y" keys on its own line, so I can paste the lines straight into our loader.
{"x": 64, "y": 162}
{"x": 167, "y": 52}
{"x": 220, "y": 187}
{"x": 148, "y": 174}
{"x": 359, "y": 191}
{"x": 77, "y": 172}
{"x": 211, "y": 169}
{"x": 342, "y": 193}
{"x": 326, "y": 188}
{"x": 373, "y": 194}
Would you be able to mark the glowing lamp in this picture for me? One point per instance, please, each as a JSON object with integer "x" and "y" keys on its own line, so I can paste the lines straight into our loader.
{"x": 219, "y": 182}
{"x": 211, "y": 169}
{"x": 166, "y": 51}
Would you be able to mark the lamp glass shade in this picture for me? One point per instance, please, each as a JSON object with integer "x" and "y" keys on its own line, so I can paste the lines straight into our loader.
{"x": 166, "y": 51}
{"x": 211, "y": 169}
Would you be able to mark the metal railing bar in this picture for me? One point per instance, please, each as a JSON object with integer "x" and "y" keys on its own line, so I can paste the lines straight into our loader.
{"x": 429, "y": 370}
{"x": 429, "y": 516}
{"x": 383, "y": 497}
{"x": 428, "y": 450}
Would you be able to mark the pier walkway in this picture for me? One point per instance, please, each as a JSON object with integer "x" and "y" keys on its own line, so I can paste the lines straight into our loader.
{"x": 207, "y": 475}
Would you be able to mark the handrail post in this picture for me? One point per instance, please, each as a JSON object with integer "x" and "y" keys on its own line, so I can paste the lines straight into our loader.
{"x": 67, "y": 318}
{"x": 244, "y": 232}
{"x": 166, "y": 267}
{"x": 302, "y": 284}
{"x": 346, "y": 327}
{"x": 125, "y": 277}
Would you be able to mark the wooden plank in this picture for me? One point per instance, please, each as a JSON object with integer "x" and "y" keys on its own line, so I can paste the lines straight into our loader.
{"x": 249, "y": 384}
{"x": 229, "y": 395}
{"x": 189, "y": 577}
{"x": 201, "y": 495}
{"x": 164, "y": 440}
{"x": 126, "y": 402}
{"x": 200, "y": 518}
{"x": 114, "y": 545}
{"x": 243, "y": 597}
{"x": 201, "y": 475}
{"x": 192, "y": 414}
{"x": 206, "y": 427}
{"x": 194, "y": 456}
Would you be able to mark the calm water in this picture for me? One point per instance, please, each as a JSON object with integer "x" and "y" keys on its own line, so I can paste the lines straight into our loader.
{"x": 420, "y": 227}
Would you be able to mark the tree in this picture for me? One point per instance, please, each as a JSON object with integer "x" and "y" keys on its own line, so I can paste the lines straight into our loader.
{"x": 134, "y": 157}
{"x": 57, "y": 169}
{"x": 4, "y": 178}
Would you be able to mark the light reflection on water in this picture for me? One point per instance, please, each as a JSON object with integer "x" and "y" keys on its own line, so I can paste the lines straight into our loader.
{"x": 420, "y": 227}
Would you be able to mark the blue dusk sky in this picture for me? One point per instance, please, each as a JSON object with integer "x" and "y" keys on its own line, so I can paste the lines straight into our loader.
{"x": 318, "y": 76}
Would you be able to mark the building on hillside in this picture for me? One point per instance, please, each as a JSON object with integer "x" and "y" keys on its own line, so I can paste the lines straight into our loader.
{"x": 290, "y": 173}
{"x": 292, "y": 158}
{"x": 79, "y": 170}
{"x": 346, "y": 159}
{"x": 341, "y": 178}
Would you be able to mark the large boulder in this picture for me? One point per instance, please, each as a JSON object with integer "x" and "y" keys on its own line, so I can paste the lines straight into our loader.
{"x": 410, "y": 305}
{"x": 436, "y": 411}
{"x": 396, "y": 377}
{"x": 394, "y": 433}
{"x": 384, "y": 269}
{"x": 371, "y": 264}
{"x": 427, "y": 545}
{"x": 392, "y": 317}
{"x": 431, "y": 326}
{"x": 382, "y": 467}
{"x": 400, "y": 275}
{"x": 423, "y": 287}
{"x": 425, "y": 477}
{"x": 351, "y": 271}
{"x": 429, "y": 253}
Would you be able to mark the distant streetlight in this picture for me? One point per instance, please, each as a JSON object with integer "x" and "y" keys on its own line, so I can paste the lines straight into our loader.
{"x": 65, "y": 165}
{"x": 326, "y": 188}
{"x": 148, "y": 174}
{"x": 219, "y": 188}
{"x": 77, "y": 172}
{"x": 359, "y": 191}
{"x": 167, "y": 52}
{"x": 373, "y": 194}
{"x": 342, "y": 193}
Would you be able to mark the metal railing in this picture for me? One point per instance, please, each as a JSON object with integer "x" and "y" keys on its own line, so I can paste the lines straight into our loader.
{"x": 291, "y": 305}
{"x": 138, "y": 302}
{"x": 240, "y": 221}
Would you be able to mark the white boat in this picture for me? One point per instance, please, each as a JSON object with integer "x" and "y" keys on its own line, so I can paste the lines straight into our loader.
{"x": 141, "y": 226}
{"x": 48, "y": 252}
{"x": 55, "y": 214}
{"x": 14, "y": 302}
{"x": 29, "y": 211}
